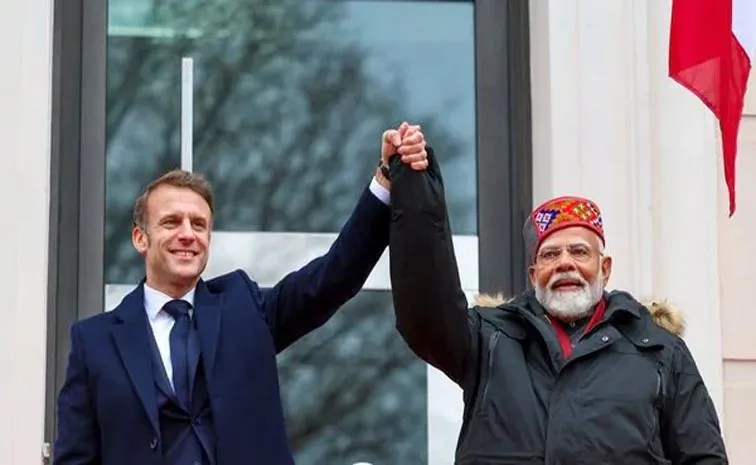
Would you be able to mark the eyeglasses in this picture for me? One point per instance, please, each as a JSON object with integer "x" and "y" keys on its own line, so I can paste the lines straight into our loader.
{"x": 576, "y": 252}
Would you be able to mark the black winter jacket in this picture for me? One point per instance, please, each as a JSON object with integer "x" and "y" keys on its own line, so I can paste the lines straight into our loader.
{"x": 630, "y": 393}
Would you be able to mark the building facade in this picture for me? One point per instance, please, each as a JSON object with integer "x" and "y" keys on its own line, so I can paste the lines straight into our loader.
{"x": 284, "y": 103}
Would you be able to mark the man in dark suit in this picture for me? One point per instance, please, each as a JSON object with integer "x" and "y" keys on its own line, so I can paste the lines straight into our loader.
{"x": 183, "y": 371}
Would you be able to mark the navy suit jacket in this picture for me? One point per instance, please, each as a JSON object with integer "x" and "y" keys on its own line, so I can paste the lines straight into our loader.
{"x": 107, "y": 411}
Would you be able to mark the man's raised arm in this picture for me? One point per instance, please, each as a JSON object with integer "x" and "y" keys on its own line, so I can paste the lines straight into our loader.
{"x": 431, "y": 309}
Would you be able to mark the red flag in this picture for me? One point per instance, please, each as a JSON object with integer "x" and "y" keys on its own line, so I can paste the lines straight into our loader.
{"x": 709, "y": 43}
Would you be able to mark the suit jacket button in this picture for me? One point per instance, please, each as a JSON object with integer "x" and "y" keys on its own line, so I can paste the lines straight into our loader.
{"x": 153, "y": 444}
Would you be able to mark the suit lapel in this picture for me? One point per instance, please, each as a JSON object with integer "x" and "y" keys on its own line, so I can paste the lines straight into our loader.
{"x": 132, "y": 340}
{"x": 208, "y": 314}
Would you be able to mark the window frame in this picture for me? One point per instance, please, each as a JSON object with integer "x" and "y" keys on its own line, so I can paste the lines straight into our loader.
{"x": 77, "y": 177}
{"x": 77, "y": 182}
{"x": 505, "y": 160}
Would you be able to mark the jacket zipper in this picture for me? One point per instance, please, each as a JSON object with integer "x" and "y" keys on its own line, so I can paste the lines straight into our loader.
{"x": 659, "y": 418}
{"x": 491, "y": 348}
{"x": 658, "y": 406}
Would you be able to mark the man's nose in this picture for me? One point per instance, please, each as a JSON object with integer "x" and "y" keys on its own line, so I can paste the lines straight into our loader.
{"x": 565, "y": 262}
{"x": 185, "y": 230}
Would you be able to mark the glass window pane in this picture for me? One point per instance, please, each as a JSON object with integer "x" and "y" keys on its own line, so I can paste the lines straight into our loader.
{"x": 353, "y": 392}
{"x": 290, "y": 100}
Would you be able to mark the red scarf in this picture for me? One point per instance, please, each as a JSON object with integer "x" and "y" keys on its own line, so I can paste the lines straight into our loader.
{"x": 564, "y": 339}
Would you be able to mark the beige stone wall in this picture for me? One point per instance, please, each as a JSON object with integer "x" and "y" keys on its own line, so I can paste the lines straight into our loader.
{"x": 25, "y": 48}
{"x": 610, "y": 124}
{"x": 737, "y": 258}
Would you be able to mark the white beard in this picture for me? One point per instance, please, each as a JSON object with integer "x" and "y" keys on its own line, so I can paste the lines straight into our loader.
{"x": 570, "y": 305}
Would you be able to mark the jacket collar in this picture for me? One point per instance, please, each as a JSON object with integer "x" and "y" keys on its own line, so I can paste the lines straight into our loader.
{"x": 132, "y": 335}
{"x": 617, "y": 302}
{"x": 623, "y": 312}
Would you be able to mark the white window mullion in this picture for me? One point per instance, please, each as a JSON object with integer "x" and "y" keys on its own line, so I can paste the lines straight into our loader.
{"x": 187, "y": 113}
{"x": 268, "y": 257}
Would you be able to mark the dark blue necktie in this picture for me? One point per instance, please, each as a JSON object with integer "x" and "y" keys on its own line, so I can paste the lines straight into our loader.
{"x": 179, "y": 339}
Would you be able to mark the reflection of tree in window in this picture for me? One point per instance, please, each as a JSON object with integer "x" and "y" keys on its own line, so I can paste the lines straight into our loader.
{"x": 287, "y": 117}
{"x": 353, "y": 391}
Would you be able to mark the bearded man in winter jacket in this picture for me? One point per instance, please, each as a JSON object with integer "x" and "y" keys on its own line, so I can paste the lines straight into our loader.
{"x": 563, "y": 374}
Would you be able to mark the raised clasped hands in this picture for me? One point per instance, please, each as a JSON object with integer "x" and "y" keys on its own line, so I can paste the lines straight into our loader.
{"x": 407, "y": 141}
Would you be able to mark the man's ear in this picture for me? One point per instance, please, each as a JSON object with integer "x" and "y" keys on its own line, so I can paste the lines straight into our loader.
{"x": 140, "y": 239}
{"x": 606, "y": 268}
{"x": 532, "y": 275}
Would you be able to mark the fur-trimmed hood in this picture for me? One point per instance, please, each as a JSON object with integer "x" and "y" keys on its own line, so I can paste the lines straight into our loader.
{"x": 662, "y": 312}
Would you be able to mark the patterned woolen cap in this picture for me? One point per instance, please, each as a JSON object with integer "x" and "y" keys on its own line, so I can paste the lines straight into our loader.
{"x": 557, "y": 214}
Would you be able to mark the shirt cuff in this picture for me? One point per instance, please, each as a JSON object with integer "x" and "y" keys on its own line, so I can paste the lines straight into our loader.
{"x": 383, "y": 194}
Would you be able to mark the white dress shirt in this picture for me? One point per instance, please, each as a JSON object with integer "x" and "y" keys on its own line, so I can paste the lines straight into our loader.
{"x": 381, "y": 192}
{"x": 162, "y": 323}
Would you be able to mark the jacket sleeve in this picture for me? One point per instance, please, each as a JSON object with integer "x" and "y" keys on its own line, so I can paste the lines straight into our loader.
{"x": 305, "y": 299}
{"x": 78, "y": 438}
{"x": 431, "y": 309}
{"x": 692, "y": 433}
